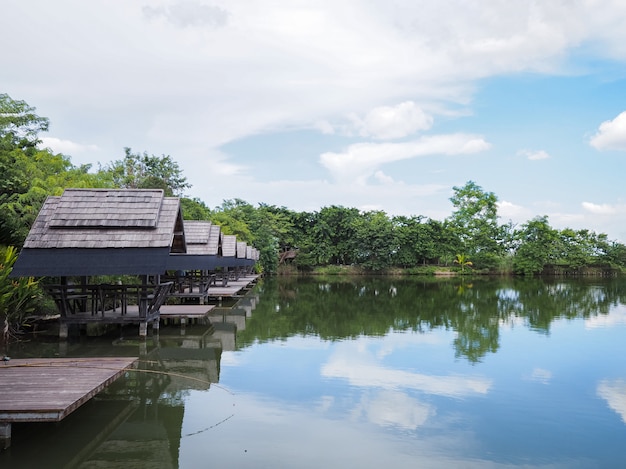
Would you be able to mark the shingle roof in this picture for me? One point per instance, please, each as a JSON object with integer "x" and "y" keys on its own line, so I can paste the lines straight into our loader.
{"x": 241, "y": 249}
{"x": 104, "y": 208}
{"x": 103, "y": 231}
{"x": 229, "y": 245}
{"x": 105, "y": 218}
{"x": 202, "y": 237}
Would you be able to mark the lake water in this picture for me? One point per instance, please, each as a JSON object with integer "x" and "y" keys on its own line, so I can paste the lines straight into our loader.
{"x": 362, "y": 372}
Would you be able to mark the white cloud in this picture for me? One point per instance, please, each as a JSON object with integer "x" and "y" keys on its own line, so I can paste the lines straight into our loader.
{"x": 383, "y": 178}
{"x": 391, "y": 122}
{"x": 261, "y": 66}
{"x": 188, "y": 14}
{"x": 601, "y": 209}
{"x": 510, "y": 211}
{"x": 185, "y": 77}
{"x": 534, "y": 155}
{"x": 361, "y": 160}
{"x": 324, "y": 126}
{"x": 66, "y": 147}
{"x": 611, "y": 135}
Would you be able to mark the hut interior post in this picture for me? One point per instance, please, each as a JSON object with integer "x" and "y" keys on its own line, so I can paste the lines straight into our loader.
{"x": 5, "y": 435}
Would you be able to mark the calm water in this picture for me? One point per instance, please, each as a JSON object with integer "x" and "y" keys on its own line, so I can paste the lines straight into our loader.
{"x": 366, "y": 373}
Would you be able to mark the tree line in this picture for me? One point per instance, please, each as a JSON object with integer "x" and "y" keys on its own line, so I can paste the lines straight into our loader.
{"x": 472, "y": 238}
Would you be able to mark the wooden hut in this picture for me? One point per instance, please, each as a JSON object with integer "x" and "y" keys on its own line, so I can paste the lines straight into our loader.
{"x": 191, "y": 272}
{"x": 95, "y": 232}
{"x": 210, "y": 257}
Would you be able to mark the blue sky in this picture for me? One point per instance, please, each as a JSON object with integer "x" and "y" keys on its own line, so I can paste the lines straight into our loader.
{"x": 382, "y": 105}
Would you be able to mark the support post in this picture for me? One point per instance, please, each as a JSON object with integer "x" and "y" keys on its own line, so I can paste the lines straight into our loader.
{"x": 5, "y": 435}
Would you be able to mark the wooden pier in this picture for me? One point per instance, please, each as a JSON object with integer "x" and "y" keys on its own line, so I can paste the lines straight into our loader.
{"x": 234, "y": 288}
{"x": 49, "y": 389}
{"x": 185, "y": 313}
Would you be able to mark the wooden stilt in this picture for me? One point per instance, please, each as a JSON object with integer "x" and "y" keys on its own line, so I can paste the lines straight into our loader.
{"x": 5, "y": 435}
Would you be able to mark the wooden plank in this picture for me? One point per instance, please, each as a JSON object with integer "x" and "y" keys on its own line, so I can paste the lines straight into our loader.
{"x": 187, "y": 311}
{"x": 49, "y": 389}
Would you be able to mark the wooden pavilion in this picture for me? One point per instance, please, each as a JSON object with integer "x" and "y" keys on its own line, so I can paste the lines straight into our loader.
{"x": 211, "y": 258}
{"x": 87, "y": 233}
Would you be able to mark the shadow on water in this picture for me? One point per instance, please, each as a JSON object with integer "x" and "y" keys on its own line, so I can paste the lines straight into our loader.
{"x": 136, "y": 421}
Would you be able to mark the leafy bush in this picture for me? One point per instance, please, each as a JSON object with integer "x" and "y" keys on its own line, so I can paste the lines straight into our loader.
{"x": 18, "y": 296}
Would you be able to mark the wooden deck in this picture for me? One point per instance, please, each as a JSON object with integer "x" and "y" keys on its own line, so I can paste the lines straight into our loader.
{"x": 49, "y": 389}
{"x": 185, "y": 313}
{"x": 234, "y": 287}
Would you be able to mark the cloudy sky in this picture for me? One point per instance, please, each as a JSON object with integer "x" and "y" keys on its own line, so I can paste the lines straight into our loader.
{"x": 374, "y": 104}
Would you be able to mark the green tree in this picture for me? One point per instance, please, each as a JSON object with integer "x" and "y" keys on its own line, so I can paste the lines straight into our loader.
{"x": 194, "y": 209}
{"x": 613, "y": 253}
{"x": 271, "y": 229}
{"x": 374, "y": 236}
{"x": 334, "y": 234}
{"x": 418, "y": 241}
{"x": 234, "y": 217}
{"x": 143, "y": 171}
{"x": 19, "y": 125}
{"x": 537, "y": 242}
{"x": 463, "y": 261}
{"x": 28, "y": 174}
{"x": 309, "y": 252}
{"x": 266, "y": 228}
{"x": 573, "y": 249}
{"x": 475, "y": 222}
{"x": 26, "y": 179}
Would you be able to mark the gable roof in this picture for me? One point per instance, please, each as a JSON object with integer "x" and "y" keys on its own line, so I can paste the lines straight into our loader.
{"x": 241, "y": 249}
{"x": 102, "y": 232}
{"x": 198, "y": 235}
{"x": 205, "y": 249}
{"x": 229, "y": 245}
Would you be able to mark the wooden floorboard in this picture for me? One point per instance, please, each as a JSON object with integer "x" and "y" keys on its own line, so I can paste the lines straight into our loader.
{"x": 185, "y": 311}
{"x": 233, "y": 288}
{"x": 48, "y": 389}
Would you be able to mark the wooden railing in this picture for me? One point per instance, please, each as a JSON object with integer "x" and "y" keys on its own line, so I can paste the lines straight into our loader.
{"x": 108, "y": 298}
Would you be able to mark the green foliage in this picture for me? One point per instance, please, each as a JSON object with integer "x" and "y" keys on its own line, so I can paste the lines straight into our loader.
{"x": 18, "y": 296}
{"x": 19, "y": 125}
{"x": 194, "y": 209}
{"x": 463, "y": 261}
{"x": 266, "y": 227}
{"x": 536, "y": 246}
{"x": 143, "y": 171}
{"x": 26, "y": 179}
{"x": 27, "y": 174}
{"x": 374, "y": 235}
{"x": 475, "y": 220}
{"x": 334, "y": 235}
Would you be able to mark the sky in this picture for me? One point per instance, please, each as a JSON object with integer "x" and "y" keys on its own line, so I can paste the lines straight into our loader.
{"x": 373, "y": 104}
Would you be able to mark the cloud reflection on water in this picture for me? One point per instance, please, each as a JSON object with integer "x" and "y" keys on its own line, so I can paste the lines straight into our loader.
{"x": 360, "y": 368}
{"x": 616, "y": 317}
{"x": 393, "y": 408}
{"x": 614, "y": 393}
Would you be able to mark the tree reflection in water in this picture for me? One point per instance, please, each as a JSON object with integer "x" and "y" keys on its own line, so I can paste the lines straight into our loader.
{"x": 339, "y": 308}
